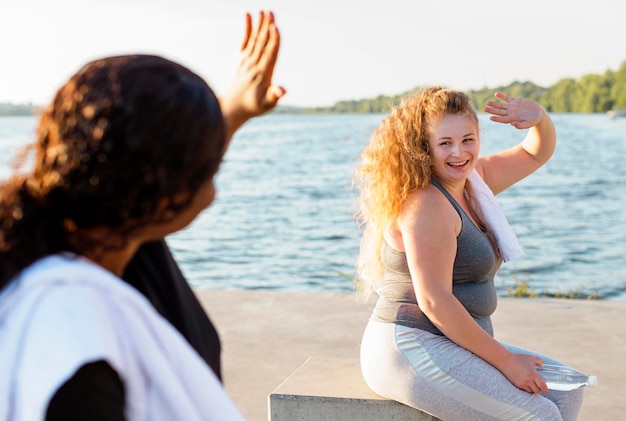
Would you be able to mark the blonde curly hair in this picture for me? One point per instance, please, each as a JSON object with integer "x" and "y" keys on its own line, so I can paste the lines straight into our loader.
{"x": 395, "y": 163}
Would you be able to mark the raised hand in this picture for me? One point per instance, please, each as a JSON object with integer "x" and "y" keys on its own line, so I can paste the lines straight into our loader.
{"x": 252, "y": 92}
{"x": 521, "y": 113}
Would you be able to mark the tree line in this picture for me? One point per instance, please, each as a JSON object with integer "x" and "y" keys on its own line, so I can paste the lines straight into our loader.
{"x": 592, "y": 93}
{"x": 10, "y": 109}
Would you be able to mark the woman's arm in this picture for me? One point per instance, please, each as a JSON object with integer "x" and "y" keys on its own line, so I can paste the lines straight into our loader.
{"x": 252, "y": 92}
{"x": 429, "y": 226}
{"x": 503, "y": 169}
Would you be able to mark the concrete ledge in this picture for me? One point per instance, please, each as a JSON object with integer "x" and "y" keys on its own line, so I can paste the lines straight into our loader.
{"x": 267, "y": 335}
{"x": 333, "y": 389}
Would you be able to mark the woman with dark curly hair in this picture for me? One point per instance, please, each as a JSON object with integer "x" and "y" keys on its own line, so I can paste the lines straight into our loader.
{"x": 126, "y": 154}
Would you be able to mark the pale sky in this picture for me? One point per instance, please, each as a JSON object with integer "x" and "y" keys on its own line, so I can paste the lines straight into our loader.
{"x": 331, "y": 49}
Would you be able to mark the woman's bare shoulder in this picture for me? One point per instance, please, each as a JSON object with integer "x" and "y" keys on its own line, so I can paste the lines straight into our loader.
{"x": 427, "y": 206}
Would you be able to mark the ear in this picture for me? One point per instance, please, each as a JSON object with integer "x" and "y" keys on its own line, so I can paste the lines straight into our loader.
{"x": 164, "y": 208}
{"x": 165, "y": 204}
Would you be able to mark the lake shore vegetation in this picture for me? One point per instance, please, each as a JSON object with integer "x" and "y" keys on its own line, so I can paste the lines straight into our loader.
{"x": 592, "y": 93}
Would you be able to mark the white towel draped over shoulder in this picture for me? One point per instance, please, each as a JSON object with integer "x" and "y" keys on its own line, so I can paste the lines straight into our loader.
{"x": 63, "y": 312}
{"x": 489, "y": 211}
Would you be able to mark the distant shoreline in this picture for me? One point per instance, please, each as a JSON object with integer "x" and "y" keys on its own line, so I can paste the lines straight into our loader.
{"x": 10, "y": 109}
{"x": 591, "y": 94}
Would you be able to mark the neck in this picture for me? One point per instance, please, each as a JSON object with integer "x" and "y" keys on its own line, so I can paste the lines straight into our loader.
{"x": 115, "y": 261}
{"x": 457, "y": 190}
{"x": 112, "y": 252}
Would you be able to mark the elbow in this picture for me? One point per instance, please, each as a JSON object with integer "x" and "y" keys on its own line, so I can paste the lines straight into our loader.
{"x": 540, "y": 155}
{"x": 543, "y": 145}
{"x": 431, "y": 307}
{"x": 544, "y": 157}
{"x": 427, "y": 305}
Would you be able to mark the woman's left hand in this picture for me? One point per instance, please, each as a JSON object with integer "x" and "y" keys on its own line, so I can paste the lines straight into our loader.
{"x": 521, "y": 113}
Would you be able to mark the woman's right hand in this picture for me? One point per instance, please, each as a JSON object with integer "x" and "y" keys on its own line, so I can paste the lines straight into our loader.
{"x": 252, "y": 92}
{"x": 520, "y": 370}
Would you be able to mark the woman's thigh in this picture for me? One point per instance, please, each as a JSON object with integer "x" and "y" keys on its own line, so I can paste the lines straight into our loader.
{"x": 433, "y": 374}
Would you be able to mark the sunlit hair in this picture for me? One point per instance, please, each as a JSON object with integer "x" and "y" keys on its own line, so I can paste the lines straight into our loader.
{"x": 123, "y": 134}
{"x": 395, "y": 163}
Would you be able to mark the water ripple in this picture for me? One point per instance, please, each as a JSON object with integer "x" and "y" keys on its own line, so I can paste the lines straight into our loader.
{"x": 283, "y": 215}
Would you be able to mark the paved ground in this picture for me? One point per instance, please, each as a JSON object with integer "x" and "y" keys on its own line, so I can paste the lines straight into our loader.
{"x": 267, "y": 335}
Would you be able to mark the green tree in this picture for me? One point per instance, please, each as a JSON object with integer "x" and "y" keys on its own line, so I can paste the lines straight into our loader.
{"x": 593, "y": 93}
{"x": 560, "y": 96}
{"x": 618, "y": 89}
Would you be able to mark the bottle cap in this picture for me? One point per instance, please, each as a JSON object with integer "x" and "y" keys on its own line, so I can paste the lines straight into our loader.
{"x": 592, "y": 381}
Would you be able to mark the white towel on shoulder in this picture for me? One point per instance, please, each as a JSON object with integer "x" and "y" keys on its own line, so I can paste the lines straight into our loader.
{"x": 63, "y": 312}
{"x": 489, "y": 211}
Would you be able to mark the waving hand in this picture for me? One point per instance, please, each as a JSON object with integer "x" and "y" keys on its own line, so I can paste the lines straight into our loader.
{"x": 521, "y": 113}
{"x": 252, "y": 92}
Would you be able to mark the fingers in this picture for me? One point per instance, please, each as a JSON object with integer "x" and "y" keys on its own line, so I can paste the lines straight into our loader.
{"x": 503, "y": 96}
{"x": 535, "y": 388}
{"x": 252, "y": 35}
{"x": 269, "y": 55}
{"x": 261, "y": 35}
{"x": 529, "y": 379}
{"x": 534, "y": 383}
{"x": 261, "y": 43}
{"x": 246, "y": 37}
{"x": 541, "y": 384}
{"x": 499, "y": 112}
{"x": 511, "y": 110}
{"x": 497, "y": 108}
{"x": 274, "y": 93}
{"x": 539, "y": 381}
{"x": 252, "y": 92}
{"x": 538, "y": 385}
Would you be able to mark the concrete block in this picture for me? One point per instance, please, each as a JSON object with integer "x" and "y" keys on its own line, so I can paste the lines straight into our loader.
{"x": 333, "y": 389}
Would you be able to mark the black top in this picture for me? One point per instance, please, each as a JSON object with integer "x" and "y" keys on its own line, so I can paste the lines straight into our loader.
{"x": 96, "y": 391}
{"x": 154, "y": 272}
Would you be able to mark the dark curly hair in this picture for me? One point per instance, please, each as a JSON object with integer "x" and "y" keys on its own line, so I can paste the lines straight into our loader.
{"x": 120, "y": 136}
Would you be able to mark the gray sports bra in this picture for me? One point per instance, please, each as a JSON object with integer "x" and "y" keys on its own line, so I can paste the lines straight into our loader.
{"x": 475, "y": 266}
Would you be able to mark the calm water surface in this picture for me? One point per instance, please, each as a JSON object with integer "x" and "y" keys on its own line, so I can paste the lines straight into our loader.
{"x": 283, "y": 215}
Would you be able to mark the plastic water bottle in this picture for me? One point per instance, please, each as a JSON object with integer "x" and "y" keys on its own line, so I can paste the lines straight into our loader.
{"x": 564, "y": 378}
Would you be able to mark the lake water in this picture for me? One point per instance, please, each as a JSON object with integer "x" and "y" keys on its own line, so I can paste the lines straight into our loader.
{"x": 283, "y": 215}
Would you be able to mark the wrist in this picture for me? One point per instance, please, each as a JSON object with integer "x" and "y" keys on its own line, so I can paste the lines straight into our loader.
{"x": 233, "y": 114}
{"x": 501, "y": 358}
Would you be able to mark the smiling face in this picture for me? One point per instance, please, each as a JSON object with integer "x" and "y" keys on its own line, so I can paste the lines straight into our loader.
{"x": 454, "y": 147}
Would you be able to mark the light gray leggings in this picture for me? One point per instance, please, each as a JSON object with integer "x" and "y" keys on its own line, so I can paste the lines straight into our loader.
{"x": 434, "y": 374}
